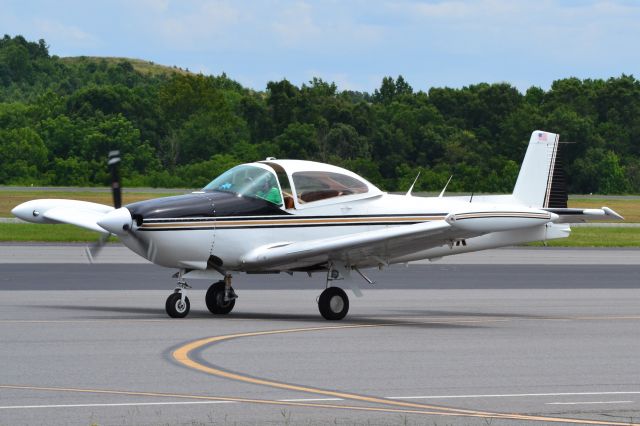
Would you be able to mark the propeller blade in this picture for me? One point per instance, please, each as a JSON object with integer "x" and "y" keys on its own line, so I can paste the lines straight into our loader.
{"x": 94, "y": 249}
{"x": 145, "y": 248}
{"x": 114, "y": 160}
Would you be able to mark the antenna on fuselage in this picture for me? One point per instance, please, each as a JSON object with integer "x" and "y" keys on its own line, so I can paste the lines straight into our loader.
{"x": 445, "y": 187}
{"x": 408, "y": 194}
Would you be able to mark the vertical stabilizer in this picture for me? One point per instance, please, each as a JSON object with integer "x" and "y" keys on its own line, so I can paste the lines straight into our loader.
{"x": 541, "y": 181}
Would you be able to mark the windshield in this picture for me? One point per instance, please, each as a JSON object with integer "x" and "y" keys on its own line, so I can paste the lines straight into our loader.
{"x": 248, "y": 181}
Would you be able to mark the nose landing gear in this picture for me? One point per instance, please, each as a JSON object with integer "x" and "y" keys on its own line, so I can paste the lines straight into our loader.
{"x": 177, "y": 305}
{"x": 220, "y": 297}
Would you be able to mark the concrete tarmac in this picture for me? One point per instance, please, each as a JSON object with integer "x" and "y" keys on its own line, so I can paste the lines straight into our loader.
{"x": 438, "y": 344}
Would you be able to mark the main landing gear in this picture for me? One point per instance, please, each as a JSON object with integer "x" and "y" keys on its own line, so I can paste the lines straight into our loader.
{"x": 333, "y": 303}
{"x": 220, "y": 298}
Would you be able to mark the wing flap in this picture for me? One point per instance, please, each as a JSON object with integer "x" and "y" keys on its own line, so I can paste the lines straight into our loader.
{"x": 315, "y": 251}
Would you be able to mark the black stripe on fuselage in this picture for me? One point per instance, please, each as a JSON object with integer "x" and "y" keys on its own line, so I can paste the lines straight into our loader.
{"x": 312, "y": 225}
{"x": 285, "y": 218}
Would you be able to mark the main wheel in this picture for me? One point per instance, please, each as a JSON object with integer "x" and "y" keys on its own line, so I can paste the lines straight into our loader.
{"x": 333, "y": 303}
{"x": 175, "y": 307}
{"x": 215, "y": 299}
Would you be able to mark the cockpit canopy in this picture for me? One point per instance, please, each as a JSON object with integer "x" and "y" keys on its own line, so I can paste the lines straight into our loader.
{"x": 292, "y": 183}
{"x": 247, "y": 180}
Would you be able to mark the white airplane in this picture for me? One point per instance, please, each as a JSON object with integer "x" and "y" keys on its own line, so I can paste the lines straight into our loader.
{"x": 300, "y": 216}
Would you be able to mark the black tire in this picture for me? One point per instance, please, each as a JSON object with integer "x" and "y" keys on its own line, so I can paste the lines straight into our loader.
{"x": 215, "y": 299}
{"x": 333, "y": 304}
{"x": 174, "y": 306}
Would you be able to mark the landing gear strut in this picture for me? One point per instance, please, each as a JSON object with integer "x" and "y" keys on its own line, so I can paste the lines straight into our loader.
{"x": 177, "y": 305}
{"x": 220, "y": 297}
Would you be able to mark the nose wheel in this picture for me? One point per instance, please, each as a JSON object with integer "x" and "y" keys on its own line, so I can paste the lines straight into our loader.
{"x": 333, "y": 303}
{"x": 177, "y": 305}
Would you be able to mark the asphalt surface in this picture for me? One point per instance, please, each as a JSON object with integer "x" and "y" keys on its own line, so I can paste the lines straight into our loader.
{"x": 430, "y": 344}
{"x": 14, "y": 253}
{"x": 425, "y": 277}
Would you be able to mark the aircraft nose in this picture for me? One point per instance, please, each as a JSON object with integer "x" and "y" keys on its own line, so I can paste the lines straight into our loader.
{"x": 117, "y": 221}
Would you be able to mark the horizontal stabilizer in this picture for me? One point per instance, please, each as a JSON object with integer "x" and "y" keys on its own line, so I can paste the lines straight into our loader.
{"x": 570, "y": 215}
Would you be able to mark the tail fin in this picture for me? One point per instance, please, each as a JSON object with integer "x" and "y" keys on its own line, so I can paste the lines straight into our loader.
{"x": 541, "y": 182}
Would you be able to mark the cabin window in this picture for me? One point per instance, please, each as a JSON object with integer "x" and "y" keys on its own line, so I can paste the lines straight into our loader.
{"x": 248, "y": 181}
{"x": 317, "y": 185}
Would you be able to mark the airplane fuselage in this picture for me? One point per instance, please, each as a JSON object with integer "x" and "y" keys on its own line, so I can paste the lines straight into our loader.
{"x": 214, "y": 229}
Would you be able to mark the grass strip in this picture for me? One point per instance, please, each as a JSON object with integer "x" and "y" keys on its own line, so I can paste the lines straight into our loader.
{"x": 598, "y": 237}
{"x": 10, "y": 199}
{"x": 580, "y": 237}
{"x": 628, "y": 208}
{"x": 32, "y": 232}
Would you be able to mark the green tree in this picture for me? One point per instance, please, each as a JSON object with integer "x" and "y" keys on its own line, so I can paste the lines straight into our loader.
{"x": 22, "y": 156}
{"x": 299, "y": 141}
{"x": 599, "y": 172}
{"x": 345, "y": 142}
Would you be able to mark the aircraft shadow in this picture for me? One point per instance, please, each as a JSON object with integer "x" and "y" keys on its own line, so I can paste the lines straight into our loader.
{"x": 434, "y": 313}
{"x": 142, "y": 313}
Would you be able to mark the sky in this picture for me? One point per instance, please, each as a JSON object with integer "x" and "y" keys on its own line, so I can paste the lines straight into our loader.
{"x": 353, "y": 43}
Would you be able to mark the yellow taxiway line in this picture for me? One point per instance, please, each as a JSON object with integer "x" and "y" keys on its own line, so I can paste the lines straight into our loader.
{"x": 182, "y": 355}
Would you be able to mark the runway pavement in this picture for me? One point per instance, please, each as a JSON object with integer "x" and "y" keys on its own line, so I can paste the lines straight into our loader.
{"x": 441, "y": 344}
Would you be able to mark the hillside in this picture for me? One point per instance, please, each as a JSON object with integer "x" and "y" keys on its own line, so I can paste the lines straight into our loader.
{"x": 141, "y": 66}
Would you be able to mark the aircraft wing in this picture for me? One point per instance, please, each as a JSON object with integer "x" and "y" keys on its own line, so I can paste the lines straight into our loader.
{"x": 353, "y": 245}
{"x": 570, "y": 215}
{"x": 79, "y": 213}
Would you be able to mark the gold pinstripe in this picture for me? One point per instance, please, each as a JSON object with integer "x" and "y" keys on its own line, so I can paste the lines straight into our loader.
{"x": 291, "y": 222}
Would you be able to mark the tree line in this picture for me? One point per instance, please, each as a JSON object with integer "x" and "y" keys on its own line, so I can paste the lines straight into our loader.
{"x": 60, "y": 118}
